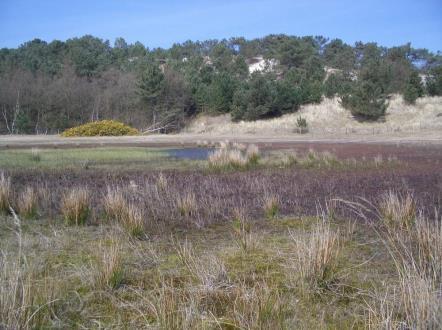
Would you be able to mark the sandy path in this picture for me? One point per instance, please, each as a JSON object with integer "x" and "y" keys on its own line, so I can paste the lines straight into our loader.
{"x": 55, "y": 141}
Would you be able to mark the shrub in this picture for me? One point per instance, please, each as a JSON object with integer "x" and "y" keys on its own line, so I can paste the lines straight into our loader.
{"x": 27, "y": 203}
{"x": 101, "y": 128}
{"x": 75, "y": 206}
{"x": 366, "y": 100}
{"x": 5, "y": 193}
{"x": 413, "y": 88}
{"x": 301, "y": 124}
{"x": 434, "y": 81}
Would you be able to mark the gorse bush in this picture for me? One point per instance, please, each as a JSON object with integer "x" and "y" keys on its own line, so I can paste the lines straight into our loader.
{"x": 101, "y": 128}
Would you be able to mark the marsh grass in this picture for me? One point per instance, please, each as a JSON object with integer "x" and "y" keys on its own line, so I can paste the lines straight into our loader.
{"x": 316, "y": 254}
{"x": 271, "y": 205}
{"x": 75, "y": 206}
{"x": 115, "y": 204}
{"x": 187, "y": 205}
{"x": 397, "y": 211}
{"x": 5, "y": 193}
{"x": 27, "y": 203}
{"x": 133, "y": 220}
{"x": 414, "y": 244}
{"x": 35, "y": 155}
{"x": 242, "y": 231}
{"x": 110, "y": 271}
{"x": 234, "y": 157}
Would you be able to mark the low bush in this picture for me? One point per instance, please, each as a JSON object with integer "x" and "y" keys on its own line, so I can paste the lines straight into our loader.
{"x": 101, "y": 128}
{"x": 301, "y": 125}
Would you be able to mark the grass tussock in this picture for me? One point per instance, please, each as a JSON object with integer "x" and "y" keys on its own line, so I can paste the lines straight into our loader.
{"x": 75, "y": 206}
{"x": 187, "y": 205}
{"x": 271, "y": 206}
{"x": 5, "y": 193}
{"x": 127, "y": 214}
{"x": 234, "y": 156}
{"x": 133, "y": 220}
{"x": 242, "y": 231}
{"x": 27, "y": 203}
{"x": 397, "y": 211}
{"x": 110, "y": 271}
{"x": 415, "y": 245}
{"x": 315, "y": 255}
{"x": 115, "y": 204}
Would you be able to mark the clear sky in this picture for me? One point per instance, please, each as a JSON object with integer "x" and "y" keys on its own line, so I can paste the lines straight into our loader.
{"x": 163, "y": 22}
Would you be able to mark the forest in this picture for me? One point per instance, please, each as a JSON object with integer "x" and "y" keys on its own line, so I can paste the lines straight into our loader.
{"x": 46, "y": 87}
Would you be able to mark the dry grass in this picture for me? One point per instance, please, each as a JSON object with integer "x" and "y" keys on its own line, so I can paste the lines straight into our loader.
{"x": 35, "y": 155}
{"x": 27, "y": 203}
{"x": 133, "y": 220}
{"x": 209, "y": 271}
{"x": 315, "y": 255}
{"x": 5, "y": 193}
{"x": 397, "y": 211}
{"x": 242, "y": 231}
{"x": 187, "y": 205}
{"x": 271, "y": 206}
{"x": 161, "y": 182}
{"x": 110, "y": 271}
{"x": 414, "y": 244}
{"x": 330, "y": 118}
{"x": 114, "y": 203}
{"x": 24, "y": 302}
{"x": 233, "y": 156}
{"x": 75, "y": 206}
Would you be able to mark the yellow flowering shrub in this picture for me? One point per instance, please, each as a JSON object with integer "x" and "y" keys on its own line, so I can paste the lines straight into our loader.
{"x": 101, "y": 128}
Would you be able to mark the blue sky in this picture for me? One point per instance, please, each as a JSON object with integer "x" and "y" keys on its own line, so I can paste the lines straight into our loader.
{"x": 161, "y": 23}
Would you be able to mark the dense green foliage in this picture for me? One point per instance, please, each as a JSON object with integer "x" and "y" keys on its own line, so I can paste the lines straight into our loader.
{"x": 47, "y": 87}
{"x": 101, "y": 128}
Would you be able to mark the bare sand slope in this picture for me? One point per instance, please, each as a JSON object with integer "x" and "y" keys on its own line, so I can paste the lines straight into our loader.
{"x": 330, "y": 118}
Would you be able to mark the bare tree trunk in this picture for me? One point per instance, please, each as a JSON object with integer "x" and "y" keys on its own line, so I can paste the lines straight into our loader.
{"x": 16, "y": 113}
{"x": 6, "y": 119}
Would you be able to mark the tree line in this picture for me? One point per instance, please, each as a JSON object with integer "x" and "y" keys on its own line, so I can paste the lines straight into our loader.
{"x": 48, "y": 87}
